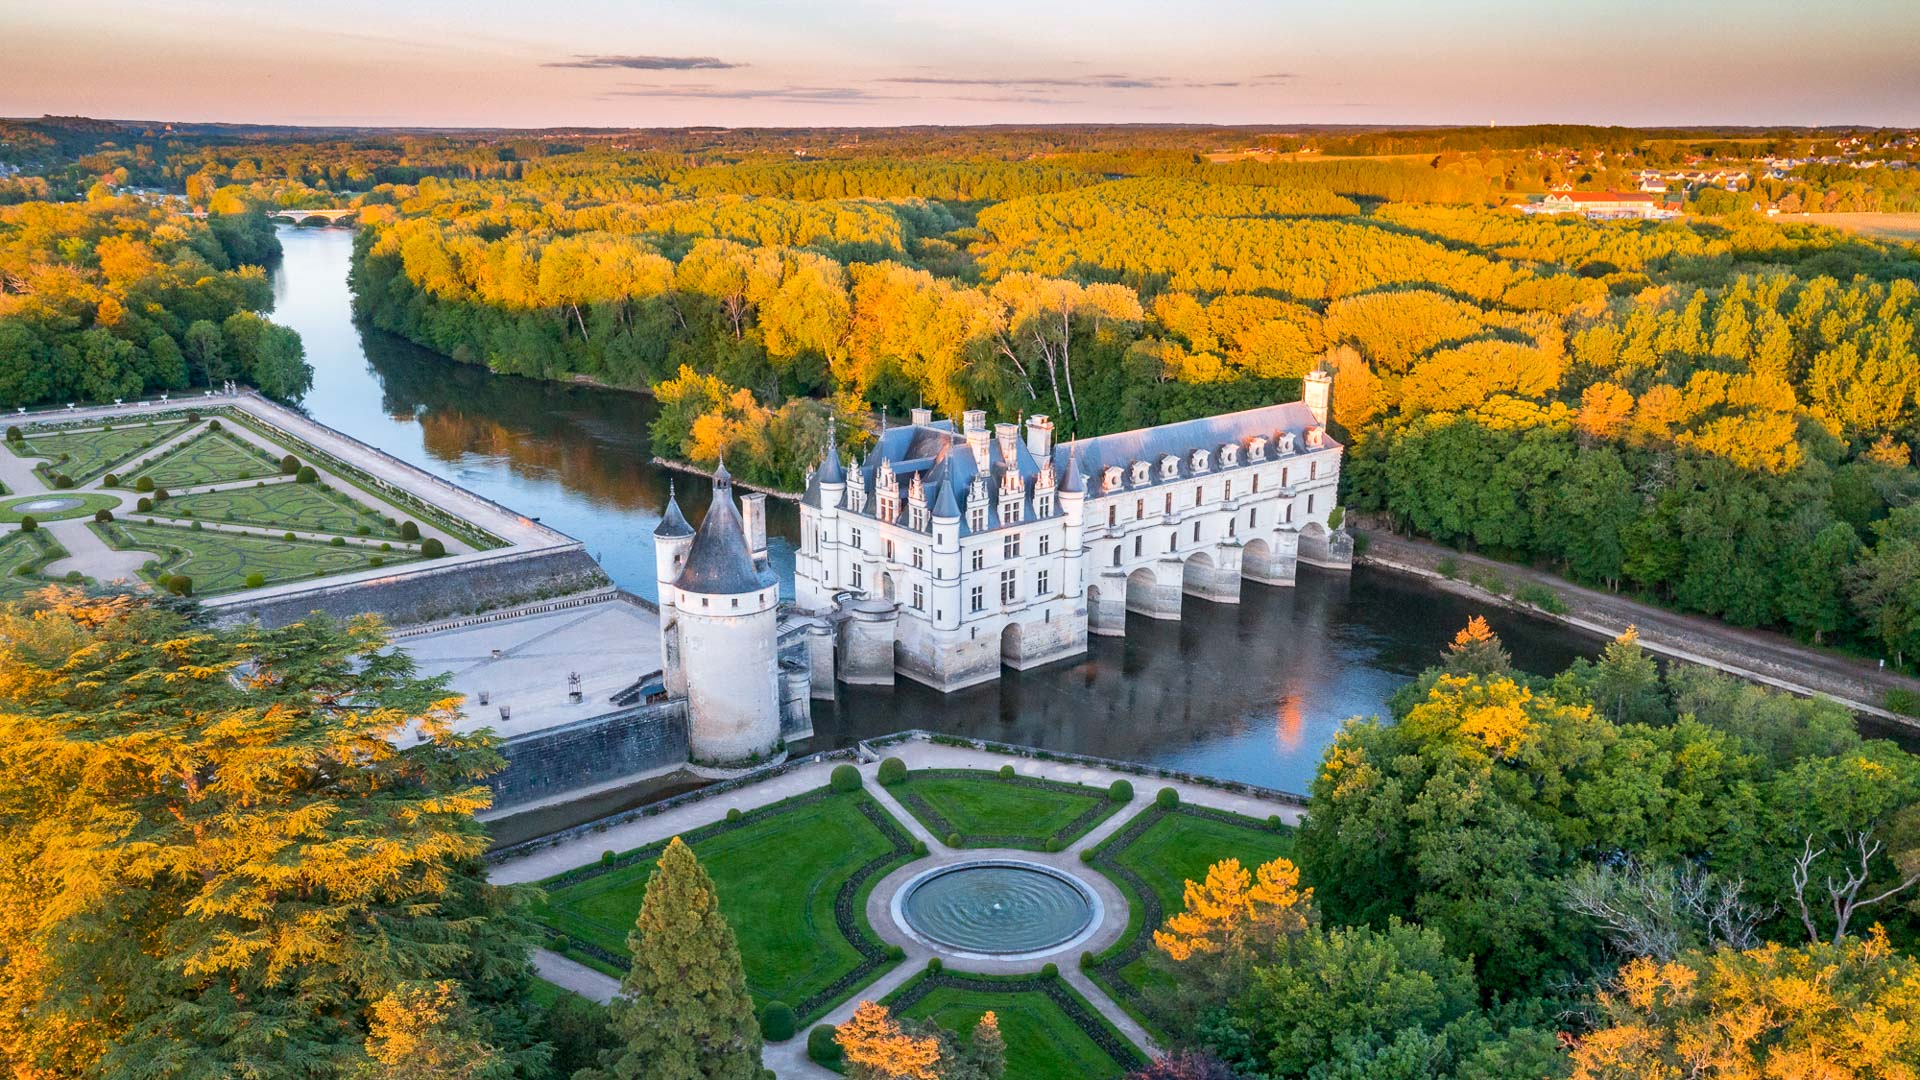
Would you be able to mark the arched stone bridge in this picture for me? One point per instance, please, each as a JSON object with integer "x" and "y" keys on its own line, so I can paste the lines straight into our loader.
{"x": 295, "y": 215}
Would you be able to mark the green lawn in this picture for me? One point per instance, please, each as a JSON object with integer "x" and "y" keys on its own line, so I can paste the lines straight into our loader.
{"x": 1044, "y": 1022}
{"x": 14, "y": 509}
{"x": 91, "y": 453}
{"x": 281, "y": 505}
{"x": 211, "y": 457}
{"x": 1151, "y": 860}
{"x": 31, "y": 551}
{"x": 219, "y": 562}
{"x": 987, "y": 810}
{"x": 780, "y": 872}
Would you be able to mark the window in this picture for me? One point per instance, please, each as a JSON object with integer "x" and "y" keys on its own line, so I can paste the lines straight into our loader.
{"x": 1111, "y": 478}
{"x": 1113, "y": 516}
{"x": 1169, "y": 502}
{"x": 1313, "y": 470}
{"x": 1136, "y": 547}
{"x": 887, "y": 546}
{"x": 1199, "y": 461}
{"x": 1199, "y": 494}
{"x": 1140, "y": 472}
{"x": 736, "y": 601}
{"x": 1046, "y": 543}
{"x": 1040, "y": 584}
{"x": 917, "y": 518}
{"x": 1010, "y": 547}
{"x": 858, "y": 577}
{"x": 979, "y": 558}
{"x": 919, "y": 558}
{"x": 1009, "y": 586}
{"x": 1228, "y": 493}
{"x": 977, "y": 519}
{"x": 1042, "y": 505}
{"x": 1139, "y": 509}
{"x": 1233, "y": 525}
{"x": 1010, "y": 512}
{"x": 1309, "y": 504}
{"x": 919, "y": 598}
{"x": 1289, "y": 512}
{"x": 853, "y": 538}
{"x": 1283, "y": 478}
{"x": 1256, "y": 483}
{"x": 977, "y": 598}
{"x": 1116, "y": 554}
{"x": 1253, "y": 518}
{"x": 1196, "y": 532}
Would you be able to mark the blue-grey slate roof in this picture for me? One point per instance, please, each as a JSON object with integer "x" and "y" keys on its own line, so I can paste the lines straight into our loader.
{"x": 719, "y": 560}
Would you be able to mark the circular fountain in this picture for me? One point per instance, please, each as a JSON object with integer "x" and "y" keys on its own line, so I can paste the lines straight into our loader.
{"x": 998, "y": 908}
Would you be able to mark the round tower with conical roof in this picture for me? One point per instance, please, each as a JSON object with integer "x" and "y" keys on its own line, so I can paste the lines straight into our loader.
{"x": 671, "y": 539}
{"x": 719, "y": 620}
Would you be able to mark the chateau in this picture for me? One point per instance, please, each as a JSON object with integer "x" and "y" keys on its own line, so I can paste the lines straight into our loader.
{"x": 947, "y": 554}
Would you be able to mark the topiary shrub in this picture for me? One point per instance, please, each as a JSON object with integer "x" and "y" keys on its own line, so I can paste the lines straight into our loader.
{"x": 934, "y": 965}
{"x": 362, "y": 530}
{"x": 256, "y": 579}
{"x": 1050, "y": 971}
{"x": 14, "y": 434}
{"x": 409, "y": 531}
{"x": 180, "y": 585}
{"x": 160, "y": 495}
{"x": 213, "y": 425}
{"x": 103, "y": 515}
{"x": 892, "y": 771}
{"x": 733, "y": 813}
{"x": 338, "y": 541}
{"x": 1054, "y": 844}
{"x": 110, "y": 480}
{"x": 74, "y": 577}
{"x": 777, "y": 1022}
{"x": 143, "y": 504}
{"x": 386, "y": 547}
{"x": 919, "y": 849}
{"x": 289, "y": 465}
{"x": 1006, "y": 772}
{"x": 896, "y": 954}
{"x": 1274, "y": 822}
{"x": 27, "y": 524}
{"x": 1086, "y": 961}
{"x": 306, "y": 475}
{"x": 286, "y": 536}
{"x": 953, "y": 840}
{"x": 844, "y": 778}
{"x": 376, "y": 561}
{"x": 1086, "y": 856}
{"x": 432, "y": 548}
{"x": 199, "y": 526}
{"x": 62, "y": 480}
{"x": 821, "y": 1049}
{"x": 144, "y": 483}
{"x": 1167, "y": 798}
{"x": 1120, "y": 791}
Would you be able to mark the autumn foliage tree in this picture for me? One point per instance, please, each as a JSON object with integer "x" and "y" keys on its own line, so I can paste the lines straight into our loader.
{"x": 879, "y": 1046}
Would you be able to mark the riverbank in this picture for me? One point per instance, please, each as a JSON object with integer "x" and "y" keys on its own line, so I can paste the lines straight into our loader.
{"x": 1760, "y": 656}
{"x": 694, "y": 470}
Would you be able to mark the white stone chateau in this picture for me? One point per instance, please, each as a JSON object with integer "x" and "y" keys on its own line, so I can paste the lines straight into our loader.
{"x": 946, "y": 554}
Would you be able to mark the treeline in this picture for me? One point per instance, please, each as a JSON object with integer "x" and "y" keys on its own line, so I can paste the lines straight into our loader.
{"x": 114, "y": 297}
{"x": 1606, "y": 874}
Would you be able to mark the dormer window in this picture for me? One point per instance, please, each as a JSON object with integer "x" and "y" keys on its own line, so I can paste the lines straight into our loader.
{"x": 1169, "y": 467}
{"x": 917, "y": 517}
{"x": 977, "y": 518}
{"x": 1011, "y": 511}
{"x": 1229, "y": 456}
{"x": 1140, "y": 469}
{"x": 1110, "y": 479}
{"x": 1316, "y": 437}
{"x": 1043, "y": 505}
{"x": 1257, "y": 448}
{"x": 1286, "y": 442}
{"x": 1199, "y": 461}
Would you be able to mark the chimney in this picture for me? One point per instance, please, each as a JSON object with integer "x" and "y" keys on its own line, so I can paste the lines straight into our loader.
{"x": 921, "y": 417}
{"x": 1319, "y": 395}
{"x": 1039, "y": 436}
{"x": 974, "y": 423}
{"x": 753, "y": 516}
{"x": 1009, "y": 438}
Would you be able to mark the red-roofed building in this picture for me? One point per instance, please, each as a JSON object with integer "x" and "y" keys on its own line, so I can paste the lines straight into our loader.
{"x": 1603, "y": 205}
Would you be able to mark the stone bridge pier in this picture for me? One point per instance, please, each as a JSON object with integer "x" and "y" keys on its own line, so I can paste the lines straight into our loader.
{"x": 1273, "y": 558}
{"x": 1214, "y": 574}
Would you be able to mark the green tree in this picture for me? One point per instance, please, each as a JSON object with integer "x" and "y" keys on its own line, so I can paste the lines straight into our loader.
{"x": 205, "y": 351}
{"x": 685, "y": 1014}
{"x": 280, "y": 365}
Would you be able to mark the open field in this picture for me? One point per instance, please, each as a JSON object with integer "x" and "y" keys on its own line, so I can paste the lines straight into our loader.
{"x": 220, "y": 562}
{"x": 1880, "y": 226}
{"x": 84, "y": 455}
{"x": 983, "y": 809}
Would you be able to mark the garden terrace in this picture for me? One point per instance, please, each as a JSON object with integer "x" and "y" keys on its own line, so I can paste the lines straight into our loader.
{"x": 1050, "y": 1030}
{"x": 283, "y": 505}
{"x": 221, "y": 560}
{"x": 23, "y": 555}
{"x": 983, "y": 809}
{"x": 209, "y": 457}
{"x": 82, "y": 455}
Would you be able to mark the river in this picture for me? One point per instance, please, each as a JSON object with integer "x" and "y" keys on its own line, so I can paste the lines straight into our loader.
{"x": 1251, "y": 692}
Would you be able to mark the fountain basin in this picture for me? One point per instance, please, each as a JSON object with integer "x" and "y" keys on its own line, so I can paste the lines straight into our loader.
{"x": 998, "y": 908}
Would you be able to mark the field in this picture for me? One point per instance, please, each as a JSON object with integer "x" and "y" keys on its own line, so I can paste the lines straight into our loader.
{"x": 220, "y": 561}
{"x": 985, "y": 810}
{"x": 89, "y": 454}
{"x": 211, "y": 457}
{"x": 780, "y": 872}
{"x": 1049, "y": 1029}
{"x": 1881, "y": 226}
{"x": 282, "y": 505}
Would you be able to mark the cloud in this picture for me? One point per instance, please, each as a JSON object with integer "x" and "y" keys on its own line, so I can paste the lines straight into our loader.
{"x": 1277, "y": 76}
{"x": 1097, "y": 82}
{"x": 644, "y": 63}
{"x": 811, "y": 95}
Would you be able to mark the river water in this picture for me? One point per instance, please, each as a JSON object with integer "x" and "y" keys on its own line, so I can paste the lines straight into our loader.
{"x": 1251, "y": 692}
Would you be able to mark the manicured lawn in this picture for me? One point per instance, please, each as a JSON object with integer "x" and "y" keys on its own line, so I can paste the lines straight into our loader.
{"x": 32, "y": 551}
{"x": 86, "y": 502}
{"x": 1049, "y": 1029}
{"x": 780, "y": 872}
{"x": 545, "y": 994}
{"x": 219, "y": 562}
{"x": 987, "y": 810}
{"x": 211, "y": 457}
{"x": 91, "y": 453}
{"x": 1151, "y": 860}
{"x": 281, "y": 505}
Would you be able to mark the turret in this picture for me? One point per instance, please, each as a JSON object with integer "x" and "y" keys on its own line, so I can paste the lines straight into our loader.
{"x": 726, "y": 621}
{"x": 671, "y": 538}
{"x": 1319, "y": 395}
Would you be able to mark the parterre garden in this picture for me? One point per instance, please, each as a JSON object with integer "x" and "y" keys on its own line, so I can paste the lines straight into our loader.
{"x": 219, "y": 561}
{"x": 22, "y": 556}
{"x": 83, "y": 455}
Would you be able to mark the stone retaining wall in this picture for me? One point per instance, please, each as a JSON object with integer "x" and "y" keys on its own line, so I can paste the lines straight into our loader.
{"x": 418, "y": 595}
{"x": 545, "y": 763}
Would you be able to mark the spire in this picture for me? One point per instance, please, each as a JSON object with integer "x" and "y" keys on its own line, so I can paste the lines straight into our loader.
{"x": 672, "y": 522}
{"x": 720, "y": 560}
{"x": 830, "y": 470}
{"x": 944, "y": 505}
{"x": 1075, "y": 482}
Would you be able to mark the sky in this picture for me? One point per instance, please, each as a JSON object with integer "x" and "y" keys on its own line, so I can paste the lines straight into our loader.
{"x": 643, "y": 63}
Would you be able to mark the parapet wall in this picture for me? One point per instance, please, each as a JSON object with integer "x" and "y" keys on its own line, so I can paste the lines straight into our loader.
{"x": 428, "y": 594}
{"x": 563, "y": 759}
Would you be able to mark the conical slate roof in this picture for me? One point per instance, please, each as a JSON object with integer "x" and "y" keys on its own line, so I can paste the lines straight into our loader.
{"x": 830, "y": 470}
{"x": 672, "y": 522}
{"x": 1075, "y": 481}
{"x": 719, "y": 560}
{"x": 944, "y": 504}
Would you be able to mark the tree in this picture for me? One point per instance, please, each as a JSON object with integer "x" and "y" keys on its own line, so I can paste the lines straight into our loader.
{"x": 684, "y": 1012}
{"x": 427, "y": 1031}
{"x": 276, "y": 864}
{"x": 1234, "y": 911}
{"x": 280, "y": 367}
{"x": 879, "y": 1047}
{"x": 1625, "y": 684}
{"x": 1476, "y": 651}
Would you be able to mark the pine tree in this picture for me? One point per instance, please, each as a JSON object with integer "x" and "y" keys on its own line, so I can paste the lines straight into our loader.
{"x": 1476, "y": 651}
{"x": 686, "y": 1014}
{"x": 985, "y": 1055}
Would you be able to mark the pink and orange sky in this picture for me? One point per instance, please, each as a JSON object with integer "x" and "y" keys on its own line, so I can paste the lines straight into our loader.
{"x": 637, "y": 63}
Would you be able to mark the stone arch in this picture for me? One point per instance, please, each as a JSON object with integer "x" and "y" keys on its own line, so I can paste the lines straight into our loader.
{"x": 1107, "y": 610}
{"x": 1213, "y": 574}
{"x": 1194, "y": 573}
{"x": 1010, "y": 645}
{"x": 1150, "y": 596}
{"x": 1321, "y": 546}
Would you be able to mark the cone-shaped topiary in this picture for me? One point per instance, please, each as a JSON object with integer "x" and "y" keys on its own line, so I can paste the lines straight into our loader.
{"x": 686, "y": 1011}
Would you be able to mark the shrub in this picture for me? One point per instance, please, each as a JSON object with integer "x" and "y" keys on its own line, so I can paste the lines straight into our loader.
{"x": 23, "y": 570}
{"x": 160, "y": 495}
{"x": 1086, "y": 856}
{"x": 110, "y": 479}
{"x": 953, "y": 840}
{"x": 432, "y": 548}
{"x": 1274, "y": 822}
{"x": 289, "y": 465}
{"x": 896, "y": 954}
{"x": 103, "y": 515}
{"x": 919, "y": 849}
{"x": 306, "y": 475}
{"x": 74, "y": 577}
{"x": 777, "y": 1022}
{"x": 1006, "y": 772}
{"x": 1086, "y": 961}
{"x": 286, "y": 536}
{"x": 409, "y": 531}
{"x": 1120, "y": 791}
{"x": 1902, "y": 701}
{"x": 145, "y": 483}
{"x": 338, "y": 541}
{"x": 376, "y": 561}
{"x": 1448, "y": 567}
{"x": 606, "y": 857}
{"x": 14, "y": 434}
{"x": 892, "y": 771}
{"x": 844, "y": 778}
{"x": 143, "y": 505}
{"x": 1167, "y": 798}
{"x": 180, "y": 585}
{"x": 362, "y": 530}
{"x": 934, "y": 965}
{"x": 256, "y": 579}
{"x": 27, "y": 524}
{"x": 1050, "y": 971}
{"x": 193, "y": 416}
{"x": 62, "y": 480}
{"x": 386, "y": 547}
{"x": 214, "y": 424}
{"x": 1054, "y": 844}
{"x": 1537, "y": 595}
{"x": 734, "y": 814}
{"x": 199, "y": 526}
{"x": 821, "y": 1048}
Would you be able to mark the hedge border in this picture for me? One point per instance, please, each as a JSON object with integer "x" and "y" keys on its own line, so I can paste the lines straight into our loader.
{"x": 1084, "y": 823}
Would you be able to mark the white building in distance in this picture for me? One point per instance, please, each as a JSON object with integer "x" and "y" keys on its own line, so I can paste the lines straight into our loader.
{"x": 947, "y": 554}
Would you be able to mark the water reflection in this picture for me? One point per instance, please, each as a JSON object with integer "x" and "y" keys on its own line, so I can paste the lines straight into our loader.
{"x": 1251, "y": 692}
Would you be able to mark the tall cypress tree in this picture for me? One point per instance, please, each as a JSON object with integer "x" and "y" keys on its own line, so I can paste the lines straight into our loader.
{"x": 686, "y": 1013}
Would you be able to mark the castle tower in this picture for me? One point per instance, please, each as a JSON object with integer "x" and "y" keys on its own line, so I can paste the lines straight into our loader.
{"x": 725, "y": 609}
{"x": 1318, "y": 393}
{"x": 671, "y": 538}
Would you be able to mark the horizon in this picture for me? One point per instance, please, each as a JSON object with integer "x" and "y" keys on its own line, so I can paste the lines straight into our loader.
{"x": 858, "y": 64}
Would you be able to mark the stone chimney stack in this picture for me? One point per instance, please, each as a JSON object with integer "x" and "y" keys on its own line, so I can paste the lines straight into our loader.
{"x": 973, "y": 423}
{"x": 1008, "y": 436}
{"x": 921, "y": 417}
{"x": 1039, "y": 436}
{"x": 1319, "y": 395}
{"x": 753, "y": 517}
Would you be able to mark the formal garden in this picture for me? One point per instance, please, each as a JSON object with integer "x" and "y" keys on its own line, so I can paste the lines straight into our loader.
{"x": 217, "y": 504}
{"x": 23, "y": 555}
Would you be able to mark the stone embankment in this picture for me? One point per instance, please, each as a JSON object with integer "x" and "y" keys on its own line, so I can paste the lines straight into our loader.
{"x": 1761, "y": 656}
